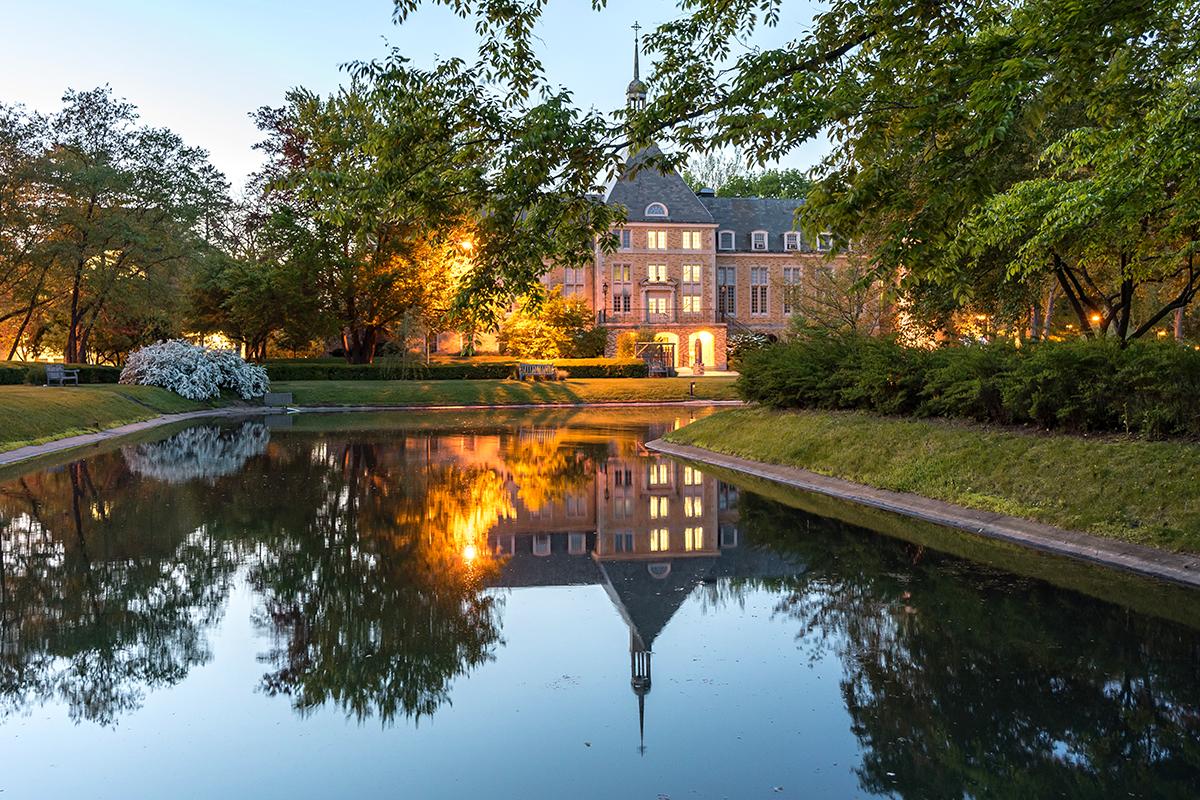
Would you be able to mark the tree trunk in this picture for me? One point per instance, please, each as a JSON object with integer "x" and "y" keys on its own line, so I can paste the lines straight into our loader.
{"x": 1035, "y": 324}
{"x": 1049, "y": 315}
{"x": 1179, "y": 324}
{"x": 359, "y": 344}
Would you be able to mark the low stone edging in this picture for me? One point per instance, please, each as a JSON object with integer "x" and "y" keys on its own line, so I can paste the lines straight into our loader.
{"x": 1160, "y": 564}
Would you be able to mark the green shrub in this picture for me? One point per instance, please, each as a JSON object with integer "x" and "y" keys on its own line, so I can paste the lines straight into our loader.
{"x": 603, "y": 367}
{"x": 35, "y": 374}
{"x": 1151, "y": 388}
{"x": 388, "y": 371}
{"x": 968, "y": 382}
{"x": 1068, "y": 385}
{"x": 12, "y": 373}
{"x": 467, "y": 370}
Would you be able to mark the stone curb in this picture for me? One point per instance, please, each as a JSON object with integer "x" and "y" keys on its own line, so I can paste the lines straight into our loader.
{"x": 1173, "y": 567}
{"x": 58, "y": 445}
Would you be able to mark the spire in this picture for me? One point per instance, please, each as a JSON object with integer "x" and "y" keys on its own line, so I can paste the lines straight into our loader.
{"x": 635, "y": 95}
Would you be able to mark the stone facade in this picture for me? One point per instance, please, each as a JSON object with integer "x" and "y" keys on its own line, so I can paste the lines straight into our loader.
{"x": 694, "y": 268}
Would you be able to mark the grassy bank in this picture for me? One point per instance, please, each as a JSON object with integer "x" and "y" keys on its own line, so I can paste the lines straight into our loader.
{"x": 37, "y": 414}
{"x": 507, "y": 392}
{"x": 1140, "y": 491}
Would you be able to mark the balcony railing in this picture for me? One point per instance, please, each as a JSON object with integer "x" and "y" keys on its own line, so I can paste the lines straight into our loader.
{"x": 641, "y": 316}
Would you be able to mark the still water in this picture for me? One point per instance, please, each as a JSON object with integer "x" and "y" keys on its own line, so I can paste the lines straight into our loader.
{"x": 534, "y": 605}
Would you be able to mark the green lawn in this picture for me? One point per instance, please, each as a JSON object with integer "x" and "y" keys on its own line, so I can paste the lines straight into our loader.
{"x": 37, "y": 414}
{"x": 509, "y": 392}
{"x": 1141, "y": 491}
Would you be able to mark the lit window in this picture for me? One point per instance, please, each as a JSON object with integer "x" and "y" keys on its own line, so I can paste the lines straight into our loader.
{"x": 657, "y": 306}
{"x": 692, "y": 507}
{"x": 656, "y": 240}
{"x": 656, "y": 210}
{"x": 691, "y": 477}
{"x": 622, "y": 289}
{"x": 657, "y": 272}
{"x": 725, "y": 240}
{"x": 693, "y": 538}
{"x": 691, "y": 240}
{"x": 659, "y": 540}
{"x": 660, "y": 507}
{"x": 658, "y": 474}
{"x": 758, "y": 240}
{"x": 791, "y": 241}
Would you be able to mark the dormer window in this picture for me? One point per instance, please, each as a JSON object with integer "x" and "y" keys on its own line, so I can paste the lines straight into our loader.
{"x": 758, "y": 240}
{"x": 791, "y": 241}
{"x": 725, "y": 240}
{"x": 825, "y": 242}
{"x": 656, "y": 210}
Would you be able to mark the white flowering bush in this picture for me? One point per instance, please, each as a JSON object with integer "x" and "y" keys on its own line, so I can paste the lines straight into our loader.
{"x": 197, "y": 373}
{"x": 203, "y": 453}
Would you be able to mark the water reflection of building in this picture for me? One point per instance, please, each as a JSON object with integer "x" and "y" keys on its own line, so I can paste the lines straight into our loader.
{"x": 647, "y": 530}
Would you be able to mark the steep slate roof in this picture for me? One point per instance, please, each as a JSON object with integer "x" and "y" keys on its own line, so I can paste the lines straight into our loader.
{"x": 648, "y": 186}
{"x": 745, "y": 214}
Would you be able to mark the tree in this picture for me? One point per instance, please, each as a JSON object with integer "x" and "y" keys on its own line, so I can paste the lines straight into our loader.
{"x": 409, "y": 182}
{"x": 558, "y": 327}
{"x": 934, "y": 109}
{"x": 784, "y": 183}
{"x": 845, "y": 295}
{"x": 106, "y": 213}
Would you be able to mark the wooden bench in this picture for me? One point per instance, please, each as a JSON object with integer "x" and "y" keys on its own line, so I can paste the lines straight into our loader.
{"x": 528, "y": 370}
{"x": 55, "y": 373}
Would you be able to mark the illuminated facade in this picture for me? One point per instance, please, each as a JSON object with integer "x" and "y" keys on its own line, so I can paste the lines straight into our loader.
{"x": 693, "y": 267}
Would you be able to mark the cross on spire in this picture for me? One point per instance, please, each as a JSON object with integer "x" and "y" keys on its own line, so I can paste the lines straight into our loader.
{"x": 635, "y": 95}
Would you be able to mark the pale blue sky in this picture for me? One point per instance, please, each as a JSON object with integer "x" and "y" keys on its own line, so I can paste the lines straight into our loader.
{"x": 199, "y": 68}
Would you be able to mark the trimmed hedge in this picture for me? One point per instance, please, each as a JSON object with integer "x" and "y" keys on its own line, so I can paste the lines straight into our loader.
{"x": 494, "y": 370}
{"x": 35, "y": 374}
{"x": 604, "y": 367}
{"x": 1148, "y": 387}
{"x": 12, "y": 373}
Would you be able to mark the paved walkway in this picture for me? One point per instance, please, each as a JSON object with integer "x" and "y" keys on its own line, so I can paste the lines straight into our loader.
{"x": 1182, "y": 569}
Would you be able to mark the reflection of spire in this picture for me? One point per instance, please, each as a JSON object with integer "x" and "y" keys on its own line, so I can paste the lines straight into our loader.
{"x": 639, "y": 668}
{"x": 635, "y": 95}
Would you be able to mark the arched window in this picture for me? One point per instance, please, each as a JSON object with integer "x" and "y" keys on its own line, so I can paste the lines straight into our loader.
{"x": 659, "y": 570}
{"x": 656, "y": 210}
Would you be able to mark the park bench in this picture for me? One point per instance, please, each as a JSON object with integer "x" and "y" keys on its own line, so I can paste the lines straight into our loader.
{"x": 530, "y": 370}
{"x": 55, "y": 373}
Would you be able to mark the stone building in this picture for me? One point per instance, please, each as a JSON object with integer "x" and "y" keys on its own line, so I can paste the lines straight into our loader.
{"x": 693, "y": 267}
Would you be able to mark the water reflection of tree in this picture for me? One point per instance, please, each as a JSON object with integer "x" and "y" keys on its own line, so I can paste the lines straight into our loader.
{"x": 546, "y": 466}
{"x": 377, "y": 603}
{"x": 104, "y": 593}
{"x": 964, "y": 681}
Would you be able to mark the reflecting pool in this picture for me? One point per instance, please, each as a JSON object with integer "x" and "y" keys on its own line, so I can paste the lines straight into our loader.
{"x": 532, "y": 604}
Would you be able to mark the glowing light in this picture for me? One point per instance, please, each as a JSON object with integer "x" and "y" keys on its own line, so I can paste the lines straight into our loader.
{"x": 470, "y": 552}
{"x": 1095, "y": 317}
{"x": 467, "y": 244}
